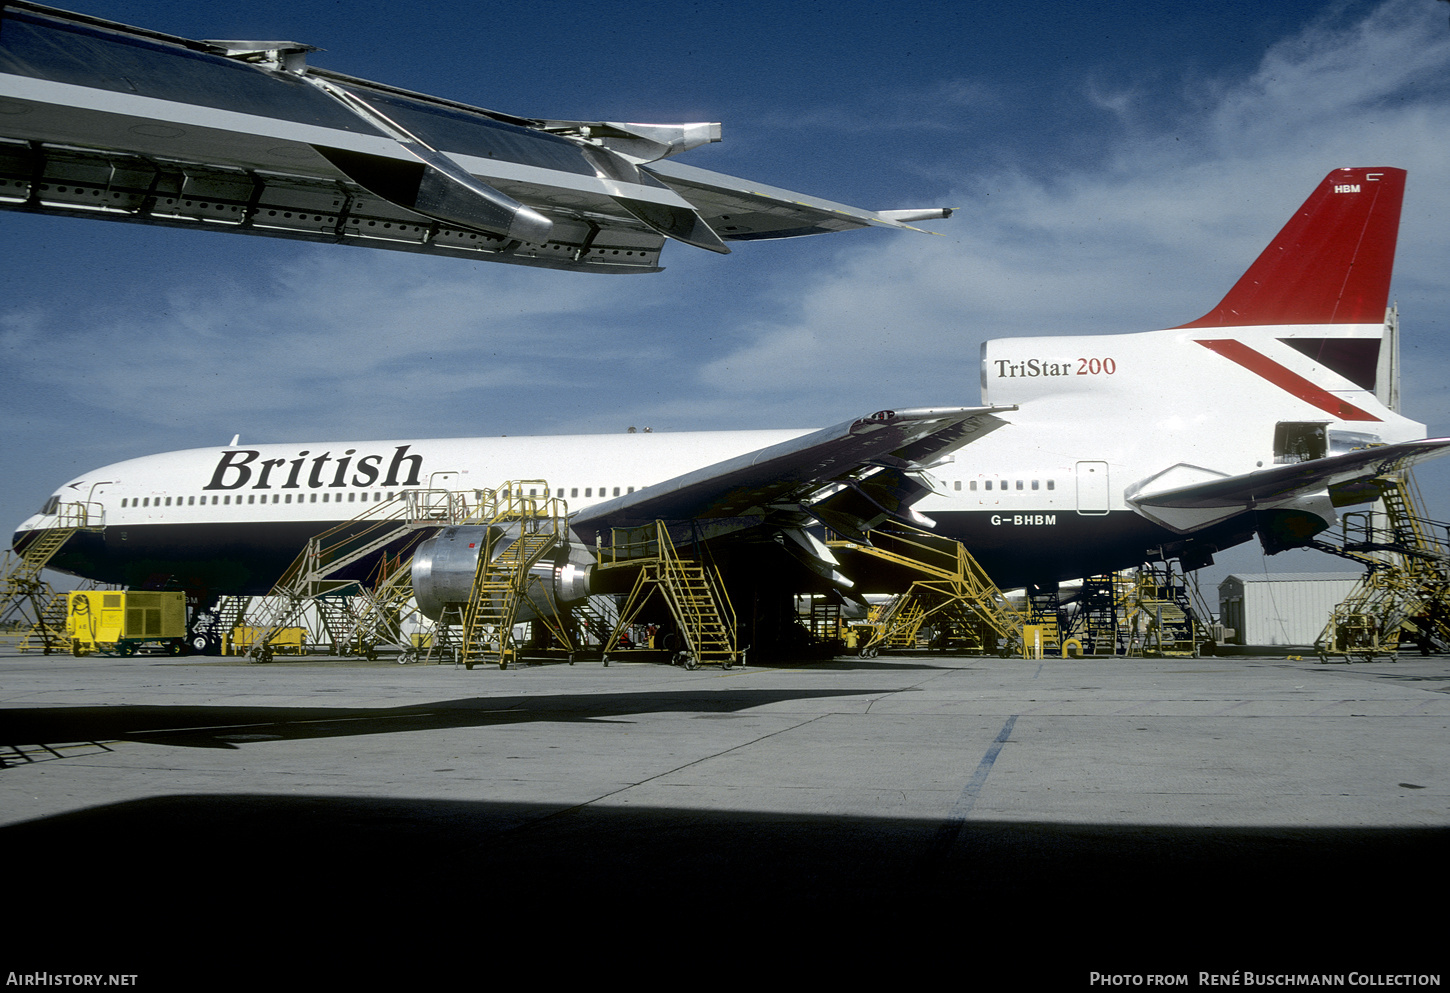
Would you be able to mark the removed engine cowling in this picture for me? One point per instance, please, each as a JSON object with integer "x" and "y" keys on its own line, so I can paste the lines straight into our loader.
{"x": 444, "y": 567}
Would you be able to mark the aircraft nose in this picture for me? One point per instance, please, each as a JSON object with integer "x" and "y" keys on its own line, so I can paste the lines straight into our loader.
{"x": 24, "y": 533}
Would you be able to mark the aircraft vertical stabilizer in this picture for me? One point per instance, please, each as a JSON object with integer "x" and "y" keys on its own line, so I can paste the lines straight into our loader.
{"x": 1330, "y": 264}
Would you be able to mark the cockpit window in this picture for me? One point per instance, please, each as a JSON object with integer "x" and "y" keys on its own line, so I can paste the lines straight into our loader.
{"x": 50, "y": 506}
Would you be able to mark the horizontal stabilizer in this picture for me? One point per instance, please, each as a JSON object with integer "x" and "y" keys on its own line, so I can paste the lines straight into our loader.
{"x": 1212, "y": 497}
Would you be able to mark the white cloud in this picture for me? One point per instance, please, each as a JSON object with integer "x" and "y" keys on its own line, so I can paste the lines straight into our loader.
{"x": 1151, "y": 237}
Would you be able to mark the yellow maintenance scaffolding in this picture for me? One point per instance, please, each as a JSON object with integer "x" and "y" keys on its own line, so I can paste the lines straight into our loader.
{"x": 1405, "y": 591}
{"x": 347, "y": 616}
{"x": 522, "y": 529}
{"x": 692, "y": 591}
{"x": 951, "y": 593}
{"x": 23, "y": 588}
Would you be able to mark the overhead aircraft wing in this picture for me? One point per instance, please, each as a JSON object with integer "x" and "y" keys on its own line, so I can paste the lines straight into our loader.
{"x": 741, "y": 210}
{"x": 1187, "y": 498}
{"x": 103, "y": 120}
{"x": 850, "y": 477}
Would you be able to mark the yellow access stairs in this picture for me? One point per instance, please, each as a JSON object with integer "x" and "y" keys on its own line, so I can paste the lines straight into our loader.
{"x": 308, "y": 594}
{"x": 1406, "y": 588}
{"x": 693, "y": 592}
{"x": 951, "y": 591}
{"x": 499, "y": 585}
{"x": 22, "y": 584}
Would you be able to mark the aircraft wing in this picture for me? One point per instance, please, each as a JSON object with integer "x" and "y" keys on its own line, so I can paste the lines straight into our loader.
{"x": 850, "y": 477}
{"x": 102, "y": 120}
{"x": 1186, "y": 498}
{"x": 741, "y": 210}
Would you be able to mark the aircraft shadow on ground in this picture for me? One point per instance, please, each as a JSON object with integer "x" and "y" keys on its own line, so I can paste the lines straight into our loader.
{"x": 226, "y": 727}
{"x": 1085, "y": 896}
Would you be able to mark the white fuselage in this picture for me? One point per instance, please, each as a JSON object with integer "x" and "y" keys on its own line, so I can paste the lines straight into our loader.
{"x": 1096, "y": 415}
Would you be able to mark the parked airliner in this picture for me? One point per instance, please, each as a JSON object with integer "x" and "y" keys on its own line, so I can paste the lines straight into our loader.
{"x": 1085, "y": 454}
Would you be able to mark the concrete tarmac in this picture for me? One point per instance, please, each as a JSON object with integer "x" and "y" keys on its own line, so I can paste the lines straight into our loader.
{"x": 1189, "y": 816}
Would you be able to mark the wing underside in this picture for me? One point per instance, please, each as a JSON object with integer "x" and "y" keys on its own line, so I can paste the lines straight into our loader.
{"x": 850, "y": 477}
{"x": 106, "y": 121}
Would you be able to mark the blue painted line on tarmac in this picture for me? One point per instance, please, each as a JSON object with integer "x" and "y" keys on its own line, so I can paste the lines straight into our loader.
{"x": 946, "y": 834}
{"x": 968, "y": 799}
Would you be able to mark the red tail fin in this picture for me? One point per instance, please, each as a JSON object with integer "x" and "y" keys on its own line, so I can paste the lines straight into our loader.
{"x": 1330, "y": 264}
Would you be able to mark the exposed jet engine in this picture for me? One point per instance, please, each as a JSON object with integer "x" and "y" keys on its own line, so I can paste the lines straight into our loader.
{"x": 445, "y": 565}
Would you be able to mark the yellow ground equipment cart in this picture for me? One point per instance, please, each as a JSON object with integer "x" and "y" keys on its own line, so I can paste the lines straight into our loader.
{"x": 118, "y": 623}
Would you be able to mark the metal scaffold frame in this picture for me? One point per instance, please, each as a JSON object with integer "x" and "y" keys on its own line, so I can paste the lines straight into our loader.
{"x": 954, "y": 592}
{"x": 1405, "y": 590}
{"x": 1152, "y": 611}
{"x": 309, "y": 607}
{"x": 523, "y": 529}
{"x": 691, "y": 589}
{"x": 23, "y": 586}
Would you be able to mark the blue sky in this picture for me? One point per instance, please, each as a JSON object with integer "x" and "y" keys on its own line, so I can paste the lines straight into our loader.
{"x": 1116, "y": 166}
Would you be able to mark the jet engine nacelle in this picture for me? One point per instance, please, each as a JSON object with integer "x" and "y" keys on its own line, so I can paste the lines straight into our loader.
{"x": 444, "y": 567}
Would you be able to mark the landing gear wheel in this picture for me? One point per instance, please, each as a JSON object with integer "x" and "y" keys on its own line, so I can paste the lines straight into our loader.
{"x": 199, "y": 644}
